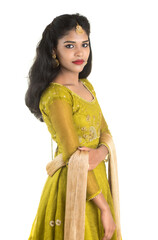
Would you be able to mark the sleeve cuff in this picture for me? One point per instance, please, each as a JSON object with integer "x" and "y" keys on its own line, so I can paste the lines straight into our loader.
{"x": 108, "y": 155}
{"x": 94, "y": 195}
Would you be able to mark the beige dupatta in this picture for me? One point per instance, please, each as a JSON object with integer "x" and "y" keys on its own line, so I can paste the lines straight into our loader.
{"x": 76, "y": 190}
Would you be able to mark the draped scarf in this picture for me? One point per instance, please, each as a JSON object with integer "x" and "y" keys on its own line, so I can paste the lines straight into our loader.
{"x": 74, "y": 226}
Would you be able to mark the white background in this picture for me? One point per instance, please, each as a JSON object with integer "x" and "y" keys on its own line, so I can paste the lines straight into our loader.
{"x": 124, "y": 37}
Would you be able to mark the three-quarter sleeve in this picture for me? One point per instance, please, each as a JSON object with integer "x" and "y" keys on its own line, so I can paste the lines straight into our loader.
{"x": 103, "y": 131}
{"x": 60, "y": 114}
{"x": 59, "y": 111}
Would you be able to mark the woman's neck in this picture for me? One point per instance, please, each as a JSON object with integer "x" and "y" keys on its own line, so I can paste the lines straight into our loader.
{"x": 68, "y": 78}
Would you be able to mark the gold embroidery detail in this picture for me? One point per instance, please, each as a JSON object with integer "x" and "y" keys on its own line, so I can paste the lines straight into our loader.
{"x": 52, "y": 223}
{"x": 88, "y": 117}
{"x": 93, "y": 132}
{"x": 58, "y": 222}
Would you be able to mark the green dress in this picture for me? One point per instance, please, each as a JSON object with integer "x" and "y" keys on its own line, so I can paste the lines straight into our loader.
{"x": 72, "y": 122}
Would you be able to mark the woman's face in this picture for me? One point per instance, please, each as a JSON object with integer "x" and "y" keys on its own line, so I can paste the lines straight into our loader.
{"x": 71, "y": 48}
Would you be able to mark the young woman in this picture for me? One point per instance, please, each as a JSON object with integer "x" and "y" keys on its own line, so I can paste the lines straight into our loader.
{"x": 60, "y": 94}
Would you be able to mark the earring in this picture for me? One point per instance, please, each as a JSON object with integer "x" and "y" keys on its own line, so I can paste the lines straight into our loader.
{"x": 56, "y": 60}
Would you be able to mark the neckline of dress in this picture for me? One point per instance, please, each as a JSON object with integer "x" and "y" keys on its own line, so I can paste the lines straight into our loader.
{"x": 92, "y": 101}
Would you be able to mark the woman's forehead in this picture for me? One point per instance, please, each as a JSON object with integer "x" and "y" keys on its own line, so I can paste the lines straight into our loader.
{"x": 74, "y": 36}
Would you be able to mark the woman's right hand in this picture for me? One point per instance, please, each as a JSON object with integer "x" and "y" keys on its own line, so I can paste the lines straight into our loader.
{"x": 93, "y": 156}
{"x": 108, "y": 223}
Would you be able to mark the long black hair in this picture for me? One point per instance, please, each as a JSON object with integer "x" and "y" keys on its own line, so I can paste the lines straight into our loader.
{"x": 42, "y": 71}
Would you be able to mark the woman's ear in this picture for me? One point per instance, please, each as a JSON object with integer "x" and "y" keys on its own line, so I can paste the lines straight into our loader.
{"x": 54, "y": 53}
{"x": 54, "y": 56}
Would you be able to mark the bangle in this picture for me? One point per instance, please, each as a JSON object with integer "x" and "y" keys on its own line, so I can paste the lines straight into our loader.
{"x": 107, "y": 158}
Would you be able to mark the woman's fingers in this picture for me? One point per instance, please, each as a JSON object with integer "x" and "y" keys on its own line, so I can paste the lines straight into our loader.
{"x": 108, "y": 235}
{"x": 84, "y": 148}
{"x": 108, "y": 224}
{"x": 106, "y": 238}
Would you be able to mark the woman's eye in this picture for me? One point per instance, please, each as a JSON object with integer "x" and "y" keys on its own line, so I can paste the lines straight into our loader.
{"x": 72, "y": 46}
{"x": 69, "y": 46}
{"x": 85, "y": 45}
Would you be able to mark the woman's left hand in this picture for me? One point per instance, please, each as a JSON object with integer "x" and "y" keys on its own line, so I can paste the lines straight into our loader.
{"x": 93, "y": 156}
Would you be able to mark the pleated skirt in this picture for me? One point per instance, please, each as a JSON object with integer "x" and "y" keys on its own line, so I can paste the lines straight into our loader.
{"x": 48, "y": 223}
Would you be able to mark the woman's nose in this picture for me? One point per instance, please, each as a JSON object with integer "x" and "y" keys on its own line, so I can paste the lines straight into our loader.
{"x": 79, "y": 52}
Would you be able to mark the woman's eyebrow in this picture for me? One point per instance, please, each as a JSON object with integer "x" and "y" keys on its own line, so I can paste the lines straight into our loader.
{"x": 86, "y": 41}
{"x": 75, "y": 42}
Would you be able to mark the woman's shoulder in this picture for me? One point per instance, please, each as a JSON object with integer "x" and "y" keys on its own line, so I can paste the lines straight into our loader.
{"x": 55, "y": 91}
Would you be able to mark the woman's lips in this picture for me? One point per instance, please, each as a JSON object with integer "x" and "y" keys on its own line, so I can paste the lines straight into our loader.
{"x": 78, "y": 62}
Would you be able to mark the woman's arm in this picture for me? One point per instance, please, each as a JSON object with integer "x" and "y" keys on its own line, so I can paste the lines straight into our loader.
{"x": 102, "y": 152}
{"x": 106, "y": 216}
{"x": 96, "y": 156}
{"x": 100, "y": 201}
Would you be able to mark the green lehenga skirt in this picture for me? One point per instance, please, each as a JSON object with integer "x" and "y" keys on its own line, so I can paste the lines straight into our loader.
{"x": 49, "y": 221}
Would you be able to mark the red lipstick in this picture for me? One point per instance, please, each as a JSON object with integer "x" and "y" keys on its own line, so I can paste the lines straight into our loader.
{"x": 78, "y": 62}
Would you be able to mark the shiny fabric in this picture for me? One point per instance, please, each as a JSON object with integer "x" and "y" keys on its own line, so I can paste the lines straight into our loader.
{"x": 72, "y": 122}
{"x": 113, "y": 182}
{"x": 74, "y": 226}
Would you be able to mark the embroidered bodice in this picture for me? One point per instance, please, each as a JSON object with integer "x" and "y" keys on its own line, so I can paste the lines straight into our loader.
{"x": 73, "y": 121}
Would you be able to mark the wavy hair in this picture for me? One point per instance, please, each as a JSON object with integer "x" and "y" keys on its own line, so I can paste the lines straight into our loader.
{"x": 43, "y": 71}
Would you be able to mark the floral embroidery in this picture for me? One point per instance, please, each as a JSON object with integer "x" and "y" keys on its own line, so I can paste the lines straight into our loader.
{"x": 93, "y": 133}
{"x": 88, "y": 117}
{"x": 52, "y": 223}
{"x": 58, "y": 222}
